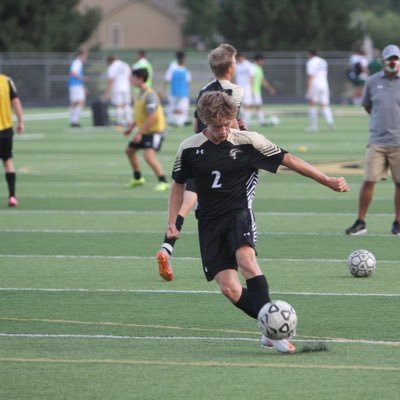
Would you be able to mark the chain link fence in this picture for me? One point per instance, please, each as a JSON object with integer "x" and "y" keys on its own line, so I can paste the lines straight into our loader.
{"x": 41, "y": 78}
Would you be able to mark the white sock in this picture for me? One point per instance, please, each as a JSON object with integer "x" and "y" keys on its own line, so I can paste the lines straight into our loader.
{"x": 119, "y": 115}
{"x": 128, "y": 114}
{"x": 313, "y": 116}
{"x": 261, "y": 117}
{"x": 327, "y": 113}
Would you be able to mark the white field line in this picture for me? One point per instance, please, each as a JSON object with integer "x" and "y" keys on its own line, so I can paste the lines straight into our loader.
{"x": 197, "y": 338}
{"x": 150, "y": 196}
{"x": 103, "y": 257}
{"x": 155, "y": 212}
{"x": 96, "y": 257}
{"x": 51, "y": 116}
{"x": 187, "y": 232}
{"x": 164, "y": 291}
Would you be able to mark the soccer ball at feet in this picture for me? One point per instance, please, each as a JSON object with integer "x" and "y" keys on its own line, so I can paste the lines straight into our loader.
{"x": 277, "y": 320}
{"x": 361, "y": 263}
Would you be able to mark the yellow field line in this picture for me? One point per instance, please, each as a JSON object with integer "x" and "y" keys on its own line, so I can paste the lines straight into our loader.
{"x": 62, "y": 321}
{"x": 201, "y": 364}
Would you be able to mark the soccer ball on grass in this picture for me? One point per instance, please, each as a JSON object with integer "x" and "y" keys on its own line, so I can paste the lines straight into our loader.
{"x": 361, "y": 263}
{"x": 272, "y": 120}
{"x": 277, "y": 320}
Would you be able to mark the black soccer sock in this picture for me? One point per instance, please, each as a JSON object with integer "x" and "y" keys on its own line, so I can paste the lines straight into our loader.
{"x": 10, "y": 179}
{"x": 137, "y": 174}
{"x": 169, "y": 243}
{"x": 162, "y": 178}
{"x": 258, "y": 291}
{"x": 246, "y": 304}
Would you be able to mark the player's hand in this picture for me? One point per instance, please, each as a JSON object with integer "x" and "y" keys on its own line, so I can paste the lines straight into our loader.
{"x": 137, "y": 138}
{"x": 172, "y": 232}
{"x": 127, "y": 131}
{"x": 20, "y": 127}
{"x": 241, "y": 124}
{"x": 338, "y": 184}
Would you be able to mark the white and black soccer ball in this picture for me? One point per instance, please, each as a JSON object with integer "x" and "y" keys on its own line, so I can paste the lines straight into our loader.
{"x": 277, "y": 320}
{"x": 361, "y": 263}
{"x": 272, "y": 120}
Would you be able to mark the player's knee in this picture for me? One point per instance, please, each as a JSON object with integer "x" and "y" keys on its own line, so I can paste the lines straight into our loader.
{"x": 129, "y": 152}
{"x": 231, "y": 292}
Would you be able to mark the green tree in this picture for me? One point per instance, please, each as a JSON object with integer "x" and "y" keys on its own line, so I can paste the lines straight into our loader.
{"x": 287, "y": 24}
{"x": 45, "y": 25}
{"x": 201, "y": 20}
{"x": 383, "y": 27}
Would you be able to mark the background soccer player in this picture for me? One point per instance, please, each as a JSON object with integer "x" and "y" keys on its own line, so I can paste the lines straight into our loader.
{"x": 9, "y": 100}
{"x": 222, "y": 62}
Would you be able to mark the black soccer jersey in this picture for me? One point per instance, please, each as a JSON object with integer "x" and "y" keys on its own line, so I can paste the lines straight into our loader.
{"x": 225, "y": 174}
{"x": 221, "y": 86}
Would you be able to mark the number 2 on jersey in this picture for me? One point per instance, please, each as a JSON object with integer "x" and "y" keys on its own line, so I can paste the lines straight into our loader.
{"x": 217, "y": 180}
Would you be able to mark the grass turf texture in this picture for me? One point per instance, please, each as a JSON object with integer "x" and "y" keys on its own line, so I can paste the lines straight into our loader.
{"x": 84, "y": 313}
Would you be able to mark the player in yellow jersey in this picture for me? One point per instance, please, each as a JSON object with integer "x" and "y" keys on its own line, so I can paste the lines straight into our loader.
{"x": 150, "y": 124}
{"x": 9, "y": 100}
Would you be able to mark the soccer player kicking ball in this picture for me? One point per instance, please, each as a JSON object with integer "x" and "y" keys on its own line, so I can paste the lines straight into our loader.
{"x": 224, "y": 164}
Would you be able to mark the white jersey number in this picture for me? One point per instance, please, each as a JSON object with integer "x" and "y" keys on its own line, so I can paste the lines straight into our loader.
{"x": 217, "y": 180}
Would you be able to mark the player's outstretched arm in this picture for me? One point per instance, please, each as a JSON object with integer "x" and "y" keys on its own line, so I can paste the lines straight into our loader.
{"x": 175, "y": 203}
{"x": 303, "y": 168}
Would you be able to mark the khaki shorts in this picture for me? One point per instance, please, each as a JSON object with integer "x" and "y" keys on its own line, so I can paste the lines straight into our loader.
{"x": 379, "y": 160}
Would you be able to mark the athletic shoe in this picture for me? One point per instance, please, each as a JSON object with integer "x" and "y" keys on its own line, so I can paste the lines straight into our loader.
{"x": 74, "y": 125}
{"x": 164, "y": 265}
{"x": 283, "y": 345}
{"x": 162, "y": 187}
{"x": 358, "y": 228}
{"x": 12, "y": 201}
{"x": 396, "y": 228}
{"x": 137, "y": 182}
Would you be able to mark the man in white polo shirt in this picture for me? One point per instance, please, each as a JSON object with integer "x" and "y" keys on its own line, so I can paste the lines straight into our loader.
{"x": 382, "y": 101}
{"x": 318, "y": 91}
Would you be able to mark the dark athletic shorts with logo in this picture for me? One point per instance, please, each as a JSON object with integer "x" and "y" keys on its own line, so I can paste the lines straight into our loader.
{"x": 149, "y": 141}
{"x": 220, "y": 238}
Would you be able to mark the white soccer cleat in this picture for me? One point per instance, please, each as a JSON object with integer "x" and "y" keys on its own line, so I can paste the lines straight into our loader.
{"x": 283, "y": 345}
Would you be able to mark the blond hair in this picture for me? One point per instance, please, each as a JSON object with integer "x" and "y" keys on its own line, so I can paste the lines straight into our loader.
{"x": 221, "y": 58}
{"x": 216, "y": 108}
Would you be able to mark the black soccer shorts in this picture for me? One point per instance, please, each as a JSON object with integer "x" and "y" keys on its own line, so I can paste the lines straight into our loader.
{"x": 6, "y": 144}
{"x": 220, "y": 238}
{"x": 149, "y": 141}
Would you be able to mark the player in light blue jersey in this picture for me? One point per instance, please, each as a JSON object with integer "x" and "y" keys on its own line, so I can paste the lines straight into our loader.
{"x": 178, "y": 78}
{"x": 76, "y": 87}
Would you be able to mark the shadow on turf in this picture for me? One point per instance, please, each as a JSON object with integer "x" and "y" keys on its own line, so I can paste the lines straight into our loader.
{"x": 313, "y": 348}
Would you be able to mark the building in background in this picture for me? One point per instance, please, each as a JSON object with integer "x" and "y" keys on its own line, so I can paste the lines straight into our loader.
{"x": 130, "y": 24}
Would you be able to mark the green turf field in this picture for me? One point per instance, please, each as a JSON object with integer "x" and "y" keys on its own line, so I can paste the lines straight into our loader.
{"x": 84, "y": 314}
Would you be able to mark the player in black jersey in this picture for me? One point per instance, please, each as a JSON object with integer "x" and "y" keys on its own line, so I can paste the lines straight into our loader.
{"x": 222, "y": 61}
{"x": 224, "y": 164}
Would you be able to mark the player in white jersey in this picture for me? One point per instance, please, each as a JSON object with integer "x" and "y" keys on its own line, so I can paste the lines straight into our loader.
{"x": 118, "y": 89}
{"x": 244, "y": 78}
{"x": 318, "y": 91}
